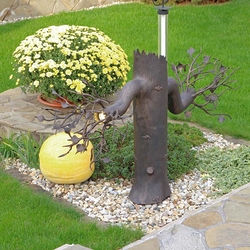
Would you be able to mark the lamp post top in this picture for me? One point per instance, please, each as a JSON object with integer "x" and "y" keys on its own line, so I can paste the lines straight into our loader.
{"x": 160, "y": 6}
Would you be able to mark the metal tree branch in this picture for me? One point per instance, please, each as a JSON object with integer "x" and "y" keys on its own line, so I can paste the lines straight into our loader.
{"x": 199, "y": 69}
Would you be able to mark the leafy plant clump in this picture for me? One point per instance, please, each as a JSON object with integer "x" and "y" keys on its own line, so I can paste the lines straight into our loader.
{"x": 118, "y": 159}
{"x": 230, "y": 169}
{"x": 181, "y": 159}
{"x": 21, "y": 146}
{"x": 69, "y": 61}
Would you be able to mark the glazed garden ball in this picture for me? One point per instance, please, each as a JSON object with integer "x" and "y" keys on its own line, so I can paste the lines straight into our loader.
{"x": 69, "y": 169}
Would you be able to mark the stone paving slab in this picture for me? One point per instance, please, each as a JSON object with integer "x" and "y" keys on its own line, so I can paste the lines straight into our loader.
{"x": 18, "y": 113}
{"x": 31, "y": 8}
{"x": 224, "y": 224}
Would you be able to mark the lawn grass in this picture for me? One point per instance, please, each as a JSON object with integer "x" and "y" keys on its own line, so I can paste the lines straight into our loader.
{"x": 32, "y": 220}
{"x": 221, "y": 30}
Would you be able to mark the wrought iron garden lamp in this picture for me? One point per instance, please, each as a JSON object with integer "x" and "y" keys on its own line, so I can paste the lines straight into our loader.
{"x": 152, "y": 93}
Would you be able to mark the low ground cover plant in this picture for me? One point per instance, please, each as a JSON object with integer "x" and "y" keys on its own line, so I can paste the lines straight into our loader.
{"x": 229, "y": 168}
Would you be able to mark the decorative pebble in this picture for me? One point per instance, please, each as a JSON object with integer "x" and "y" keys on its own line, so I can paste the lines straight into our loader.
{"x": 106, "y": 200}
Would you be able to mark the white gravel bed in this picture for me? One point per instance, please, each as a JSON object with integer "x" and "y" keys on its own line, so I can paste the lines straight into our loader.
{"x": 107, "y": 200}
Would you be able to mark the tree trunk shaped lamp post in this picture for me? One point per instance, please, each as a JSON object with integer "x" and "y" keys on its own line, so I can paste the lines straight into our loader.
{"x": 152, "y": 94}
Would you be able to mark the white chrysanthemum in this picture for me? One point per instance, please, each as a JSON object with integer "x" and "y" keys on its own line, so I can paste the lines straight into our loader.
{"x": 69, "y": 57}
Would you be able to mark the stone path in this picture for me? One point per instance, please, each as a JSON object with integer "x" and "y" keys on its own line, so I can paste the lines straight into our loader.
{"x": 18, "y": 10}
{"x": 222, "y": 225}
{"x": 18, "y": 113}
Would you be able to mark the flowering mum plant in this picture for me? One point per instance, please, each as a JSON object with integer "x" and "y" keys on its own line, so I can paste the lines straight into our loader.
{"x": 70, "y": 60}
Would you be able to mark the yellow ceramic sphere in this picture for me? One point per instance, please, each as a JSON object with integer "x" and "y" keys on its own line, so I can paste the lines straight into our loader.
{"x": 69, "y": 169}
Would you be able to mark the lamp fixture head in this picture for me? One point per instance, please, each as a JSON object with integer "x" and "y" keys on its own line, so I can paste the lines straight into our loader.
{"x": 159, "y": 2}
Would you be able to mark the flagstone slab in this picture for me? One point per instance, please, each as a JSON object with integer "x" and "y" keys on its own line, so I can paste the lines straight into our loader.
{"x": 237, "y": 212}
{"x": 182, "y": 238}
{"x": 245, "y": 191}
{"x": 151, "y": 244}
{"x": 240, "y": 198}
{"x": 228, "y": 234}
{"x": 203, "y": 220}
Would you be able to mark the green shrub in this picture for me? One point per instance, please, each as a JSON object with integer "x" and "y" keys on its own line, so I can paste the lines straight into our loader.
{"x": 181, "y": 159}
{"x": 191, "y": 134}
{"x": 118, "y": 159}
